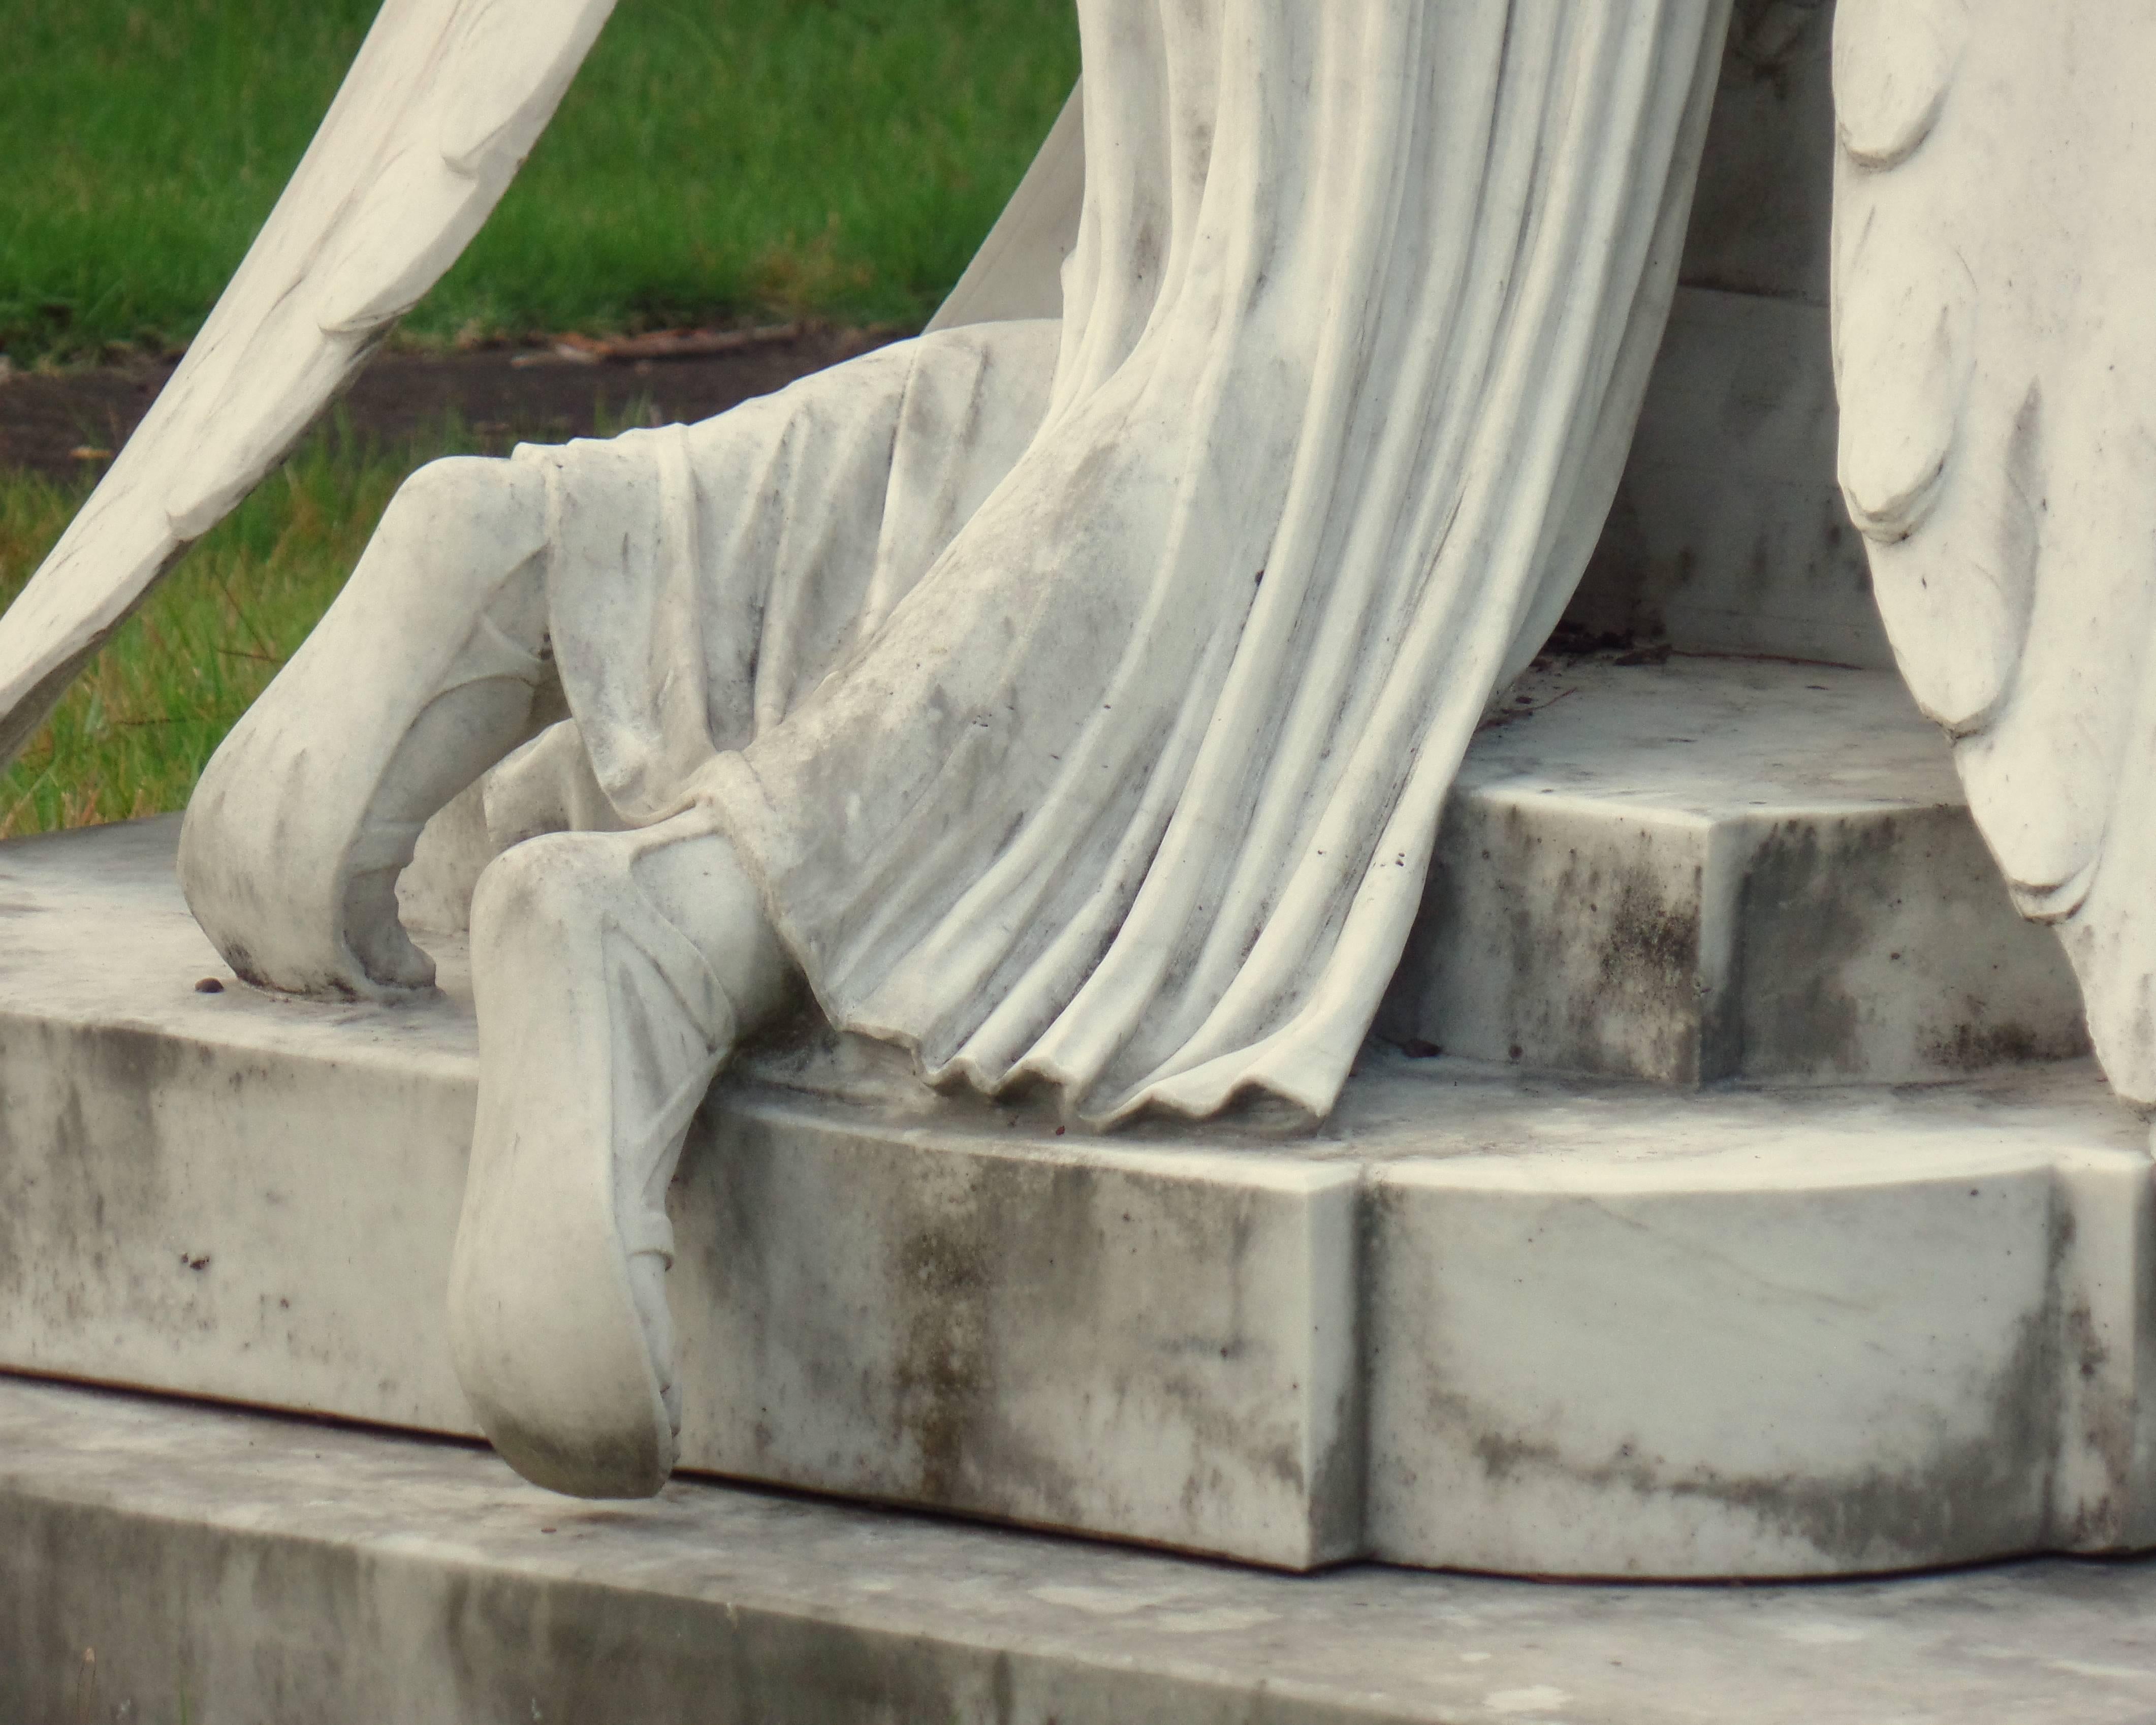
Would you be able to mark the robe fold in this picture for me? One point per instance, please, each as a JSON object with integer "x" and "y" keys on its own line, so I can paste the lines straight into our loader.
{"x": 1085, "y": 695}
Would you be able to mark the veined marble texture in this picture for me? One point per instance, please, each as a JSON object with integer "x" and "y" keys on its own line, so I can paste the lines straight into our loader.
{"x": 1996, "y": 352}
{"x": 1477, "y": 1320}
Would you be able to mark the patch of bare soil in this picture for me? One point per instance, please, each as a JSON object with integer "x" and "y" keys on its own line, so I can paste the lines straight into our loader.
{"x": 71, "y": 423}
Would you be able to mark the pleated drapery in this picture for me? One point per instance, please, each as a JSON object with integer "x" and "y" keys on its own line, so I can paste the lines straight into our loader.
{"x": 1133, "y": 791}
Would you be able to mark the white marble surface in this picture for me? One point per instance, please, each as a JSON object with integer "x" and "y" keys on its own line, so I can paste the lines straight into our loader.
{"x": 1765, "y": 1338}
{"x": 1716, "y": 868}
{"x": 249, "y": 1563}
{"x": 1464, "y": 1298}
{"x": 1728, "y": 533}
{"x": 1185, "y": 742}
{"x": 1875, "y": 1331}
{"x": 254, "y": 1198}
{"x": 1034, "y": 695}
{"x": 1996, "y": 353}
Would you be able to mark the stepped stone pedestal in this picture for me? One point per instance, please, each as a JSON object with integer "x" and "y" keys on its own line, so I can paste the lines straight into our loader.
{"x": 1727, "y": 1195}
{"x": 1723, "y": 868}
{"x": 160, "y": 1562}
{"x": 1488, "y": 1317}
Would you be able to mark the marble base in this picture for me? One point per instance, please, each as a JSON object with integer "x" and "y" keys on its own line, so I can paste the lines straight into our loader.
{"x": 1483, "y": 1319}
{"x": 252, "y": 1198}
{"x": 1763, "y": 1335}
{"x": 1728, "y": 533}
{"x": 1723, "y": 868}
{"x": 161, "y": 1561}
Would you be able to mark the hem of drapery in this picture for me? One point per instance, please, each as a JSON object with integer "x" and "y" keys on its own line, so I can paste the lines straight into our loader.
{"x": 729, "y": 789}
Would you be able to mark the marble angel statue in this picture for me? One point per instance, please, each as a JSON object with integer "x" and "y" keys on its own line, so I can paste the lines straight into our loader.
{"x": 1068, "y": 695}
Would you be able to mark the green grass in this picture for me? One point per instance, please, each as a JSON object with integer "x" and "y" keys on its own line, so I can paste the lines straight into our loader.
{"x": 136, "y": 730}
{"x": 715, "y": 159}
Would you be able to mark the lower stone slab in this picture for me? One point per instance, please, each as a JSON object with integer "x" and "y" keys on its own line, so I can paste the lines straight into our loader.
{"x": 160, "y": 1561}
{"x": 1482, "y": 1319}
{"x": 254, "y": 1198}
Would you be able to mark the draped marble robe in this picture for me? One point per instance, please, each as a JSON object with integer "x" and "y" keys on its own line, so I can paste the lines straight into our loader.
{"x": 1112, "y": 754}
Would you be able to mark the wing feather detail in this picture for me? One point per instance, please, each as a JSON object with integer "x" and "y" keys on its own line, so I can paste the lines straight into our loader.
{"x": 443, "y": 103}
{"x": 1894, "y": 63}
{"x": 1995, "y": 354}
{"x": 1903, "y": 325}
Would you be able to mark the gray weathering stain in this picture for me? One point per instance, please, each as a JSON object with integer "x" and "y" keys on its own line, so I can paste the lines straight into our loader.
{"x": 1820, "y": 903}
{"x": 1800, "y": 917}
{"x": 934, "y": 1393}
{"x": 81, "y": 1142}
{"x": 1974, "y": 1048}
{"x": 1650, "y": 967}
{"x": 1990, "y": 1493}
{"x": 1598, "y": 952}
{"x": 598, "y": 1652}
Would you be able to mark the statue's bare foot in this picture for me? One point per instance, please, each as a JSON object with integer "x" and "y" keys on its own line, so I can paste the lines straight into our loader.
{"x": 614, "y": 973}
{"x": 420, "y": 677}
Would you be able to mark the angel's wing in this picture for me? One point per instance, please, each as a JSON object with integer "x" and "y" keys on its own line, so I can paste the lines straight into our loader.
{"x": 445, "y": 101}
{"x": 1017, "y": 272}
{"x": 1996, "y": 348}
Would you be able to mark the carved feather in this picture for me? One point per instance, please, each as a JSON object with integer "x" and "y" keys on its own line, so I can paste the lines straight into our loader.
{"x": 446, "y": 98}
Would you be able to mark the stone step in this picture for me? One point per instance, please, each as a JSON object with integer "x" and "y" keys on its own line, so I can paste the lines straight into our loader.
{"x": 1728, "y": 533}
{"x": 1714, "y": 868}
{"x": 163, "y": 1561}
{"x": 1481, "y": 1320}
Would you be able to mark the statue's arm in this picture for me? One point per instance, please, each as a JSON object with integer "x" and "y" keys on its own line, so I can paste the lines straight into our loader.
{"x": 440, "y": 110}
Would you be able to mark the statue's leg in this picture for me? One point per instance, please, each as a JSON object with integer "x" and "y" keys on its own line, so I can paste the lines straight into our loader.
{"x": 419, "y": 678}
{"x": 614, "y": 972}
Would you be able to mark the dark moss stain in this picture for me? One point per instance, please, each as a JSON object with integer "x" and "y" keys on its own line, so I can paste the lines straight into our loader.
{"x": 935, "y": 1395}
{"x": 1649, "y": 960}
{"x": 1801, "y": 918}
{"x": 1821, "y": 903}
{"x": 2104, "y": 1426}
{"x": 1973, "y": 1047}
{"x": 1594, "y": 951}
{"x": 944, "y": 1379}
{"x": 1991, "y": 1493}
{"x": 1634, "y": 1006}
{"x": 82, "y": 1145}
{"x": 1339, "y": 1483}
